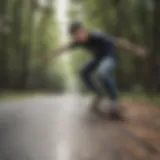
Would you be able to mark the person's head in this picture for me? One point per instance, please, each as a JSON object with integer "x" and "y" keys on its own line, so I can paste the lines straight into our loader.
{"x": 78, "y": 31}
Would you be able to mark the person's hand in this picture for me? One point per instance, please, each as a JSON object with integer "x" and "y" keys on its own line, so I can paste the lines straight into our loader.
{"x": 141, "y": 52}
{"x": 46, "y": 57}
{"x": 50, "y": 55}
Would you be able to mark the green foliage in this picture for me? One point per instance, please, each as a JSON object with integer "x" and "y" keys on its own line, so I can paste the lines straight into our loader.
{"x": 33, "y": 34}
{"x": 29, "y": 30}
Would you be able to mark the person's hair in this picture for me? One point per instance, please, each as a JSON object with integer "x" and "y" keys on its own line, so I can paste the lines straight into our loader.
{"x": 74, "y": 26}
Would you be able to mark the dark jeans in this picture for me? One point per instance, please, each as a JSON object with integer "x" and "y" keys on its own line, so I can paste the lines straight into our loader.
{"x": 106, "y": 70}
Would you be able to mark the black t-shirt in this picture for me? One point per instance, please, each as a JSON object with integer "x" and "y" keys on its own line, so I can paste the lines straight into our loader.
{"x": 99, "y": 44}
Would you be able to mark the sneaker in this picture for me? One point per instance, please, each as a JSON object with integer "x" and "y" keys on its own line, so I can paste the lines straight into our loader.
{"x": 95, "y": 103}
{"x": 115, "y": 115}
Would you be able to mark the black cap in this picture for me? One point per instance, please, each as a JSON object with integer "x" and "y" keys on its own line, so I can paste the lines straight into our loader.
{"x": 74, "y": 26}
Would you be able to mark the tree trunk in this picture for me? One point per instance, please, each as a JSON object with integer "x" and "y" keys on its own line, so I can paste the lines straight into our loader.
{"x": 27, "y": 47}
{"x": 155, "y": 56}
{"x": 3, "y": 46}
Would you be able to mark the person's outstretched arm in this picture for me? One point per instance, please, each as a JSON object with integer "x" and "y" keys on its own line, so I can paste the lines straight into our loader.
{"x": 60, "y": 50}
{"x": 128, "y": 46}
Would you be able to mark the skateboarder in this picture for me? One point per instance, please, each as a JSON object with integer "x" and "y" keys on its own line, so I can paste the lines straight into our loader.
{"x": 104, "y": 61}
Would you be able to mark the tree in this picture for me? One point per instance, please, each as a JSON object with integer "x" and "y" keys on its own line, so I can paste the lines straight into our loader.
{"x": 33, "y": 32}
{"x": 155, "y": 55}
{"x": 3, "y": 44}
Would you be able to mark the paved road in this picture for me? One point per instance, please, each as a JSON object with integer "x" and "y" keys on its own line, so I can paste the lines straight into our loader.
{"x": 62, "y": 128}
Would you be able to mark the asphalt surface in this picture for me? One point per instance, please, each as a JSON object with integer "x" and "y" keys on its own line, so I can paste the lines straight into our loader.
{"x": 63, "y": 128}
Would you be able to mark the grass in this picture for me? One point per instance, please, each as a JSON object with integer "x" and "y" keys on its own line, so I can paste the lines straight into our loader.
{"x": 10, "y": 95}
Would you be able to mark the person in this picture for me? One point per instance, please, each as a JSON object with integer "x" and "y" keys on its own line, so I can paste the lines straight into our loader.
{"x": 104, "y": 61}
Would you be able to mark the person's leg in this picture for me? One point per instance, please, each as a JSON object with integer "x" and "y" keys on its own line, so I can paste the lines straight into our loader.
{"x": 86, "y": 75}
{"x": 107, "y": 77}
